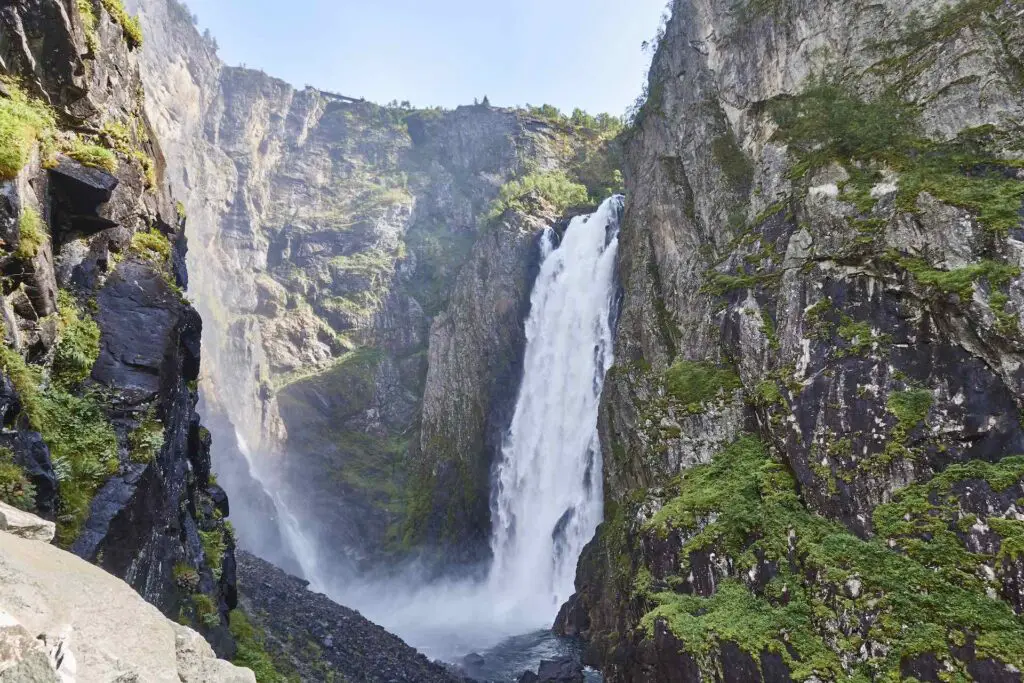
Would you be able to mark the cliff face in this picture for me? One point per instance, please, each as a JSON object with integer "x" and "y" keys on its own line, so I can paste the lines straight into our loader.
{"x": 331, "y": 276}
{"x": 101, "y": 350}
{"x": 809, "y": 434}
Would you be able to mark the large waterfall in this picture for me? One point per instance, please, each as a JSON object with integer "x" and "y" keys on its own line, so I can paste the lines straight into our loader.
{"x": 547, "y": 500}
{"x": 548, "y": 496}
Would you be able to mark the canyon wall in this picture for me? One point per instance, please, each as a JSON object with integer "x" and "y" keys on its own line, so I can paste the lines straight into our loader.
{"x": 102, "y": 348}
{"x": 363, "y": 290}
{"x": 811, "y": 431}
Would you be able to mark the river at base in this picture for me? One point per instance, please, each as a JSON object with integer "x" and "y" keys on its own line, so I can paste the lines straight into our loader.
{"x": 507, "y": 661}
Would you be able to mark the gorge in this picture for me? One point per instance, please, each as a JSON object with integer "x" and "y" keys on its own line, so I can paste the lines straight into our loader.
{"x": 728, "y": 391}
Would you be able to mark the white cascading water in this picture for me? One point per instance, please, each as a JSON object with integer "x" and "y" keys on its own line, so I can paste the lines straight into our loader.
{"x": 548, "y": 496}
{"x": 548, "y": 500}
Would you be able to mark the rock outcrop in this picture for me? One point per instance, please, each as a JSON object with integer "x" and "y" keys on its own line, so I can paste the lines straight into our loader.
{"x": 101, "y": 348}
{"x": 63, "y": 619}
{"x": 340, "y": 240}
{"x": 809, "y": 436}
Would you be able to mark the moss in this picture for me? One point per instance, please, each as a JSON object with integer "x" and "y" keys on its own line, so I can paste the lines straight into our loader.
{"x": 24, "y": 121}
{"x": 959, "y": 281}
{"x": 92, "y": 155}
{"x": 252, "y": 652}
{"x": 554, "y": 187}
{"x": 31, "y": 234}
{"x": 146, "y": 440}
{"x": 718, "y": 283}
{"x": 152, "y": 245}
{"x": 829, "y": 123}
{"x": 860, "y": 337}
{"x": 78, "y": 344}
{"x": 130, "y": 26}
{"x": 745, "y": 508}
{"x": 214, "y": 546}
{"x": 694, "y": 384}
{"x": 15, "y": 487}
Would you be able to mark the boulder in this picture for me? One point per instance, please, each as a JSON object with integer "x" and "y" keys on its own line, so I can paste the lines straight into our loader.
{"x": 93, "y": 623}
{"x": 25, "y": 525}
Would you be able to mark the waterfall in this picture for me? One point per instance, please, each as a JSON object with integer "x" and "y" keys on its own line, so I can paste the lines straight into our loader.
{"x": 548, "y": 495}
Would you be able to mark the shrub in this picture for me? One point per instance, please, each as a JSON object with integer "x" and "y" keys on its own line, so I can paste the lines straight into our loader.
{"x": 87, "y": 12}
{"x": 15, "y": 488}
{"x": 32, "y": 234}
{"x": 23, "y": 122}
{"x": 554, "y": 187}
{"x": 78, "y": 346}
{"x": 206, "y": 610}
{"x": 185, "y": 577}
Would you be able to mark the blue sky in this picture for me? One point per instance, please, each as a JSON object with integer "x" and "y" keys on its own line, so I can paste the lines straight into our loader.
{"x": 568, "y": 53}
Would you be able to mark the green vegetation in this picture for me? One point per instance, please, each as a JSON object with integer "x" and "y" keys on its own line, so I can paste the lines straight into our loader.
{"x": 15, "y": 488}
{"x": 92, "y": 155}
{"x": 829, "y": 122}
{"x": 152, "y": 245}
{"x": 185, "y": 577}
{"x": 79, "y": 343}
{"x": 24, "y": 121}
{"x": 738, "y": 169}
{"x": 554, "y": 187}
{"x": 82, "y": 443}
{"x": 213, "y": 549}
{"x": 31, "y": 234}
{"x": 961, "y": 280}
{"x": 744, "y": 506}
{"x": 206, "y": 610}
{"x": 694, "y": 384}
{"x": 252, "y": 652}
{"x": 129, "y": 25}
{"x": 146, "y": 440}
{"x": 860, "y": 337}
{"x": 87, "y": 12}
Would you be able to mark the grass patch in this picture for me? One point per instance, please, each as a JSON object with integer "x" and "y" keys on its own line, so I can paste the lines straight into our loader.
{"x": 23, "y": 122}
{"x": 31, "y": 234}
{"x": 694, "y": 384}
{"x": 92, "y": 155}
{"x": 152, "y": 245}
{"x": 185, "y": 577}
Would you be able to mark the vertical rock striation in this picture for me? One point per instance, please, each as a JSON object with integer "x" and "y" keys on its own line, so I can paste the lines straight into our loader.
{"x": 810, "y": 436}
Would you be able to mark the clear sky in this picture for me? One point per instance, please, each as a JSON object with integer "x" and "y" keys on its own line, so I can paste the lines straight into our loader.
{"x": 569, "y": 53}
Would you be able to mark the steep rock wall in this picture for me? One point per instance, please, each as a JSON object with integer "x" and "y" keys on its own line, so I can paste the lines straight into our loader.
{"x": 101, "y": 351}
{"x": 809, "y": 433}
{"x": 333, "y": 235}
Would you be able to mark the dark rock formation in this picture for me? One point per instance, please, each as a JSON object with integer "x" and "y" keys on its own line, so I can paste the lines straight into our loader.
{"x": 809, "y": 434}
{"x": 318, "y": 639}
{"x": 101, "y": 353}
